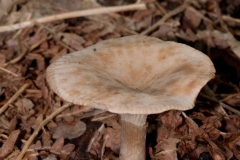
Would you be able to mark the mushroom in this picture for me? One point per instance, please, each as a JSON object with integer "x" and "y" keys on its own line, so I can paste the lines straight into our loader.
{"x": 132, "y": 76}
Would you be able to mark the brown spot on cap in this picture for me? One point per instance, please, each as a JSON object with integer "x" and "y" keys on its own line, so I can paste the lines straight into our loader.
{"x": 149, "y": 68}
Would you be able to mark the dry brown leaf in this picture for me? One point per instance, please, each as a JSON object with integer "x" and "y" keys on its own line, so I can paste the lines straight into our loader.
{"x": 46, "y": 140}
{"x": 66, "y": 150}
{"x": 186, "y": 145}
{"x": 195, "y": 130}
{"x": 39, "y": 58}
{"x": 50, "y": 157}
{"x": 13, "y": 155}
{"x": 165, "y": 32}
{"x": 4, "y": 123}
{"x": 36, "y": 146}
{"x": 166, "y": 149}
{"x": 24, "y": 106}
{"x": 216, "y": 153}
{"x": 210, "y": 125}
{"x": 94, "y": 146}
{"x": 236, "y": 120}
{"x": 219, "y": 150}
{"x": 88, "y": 142}
{"x": 2, "y": 59}
{"x": 12, "y": 124}
{"x": 37, "y": 121}
{"x": 8, "y": 145}
{"x": 27, "y": 104}
{"x": 193, "y": 17}
{"x": 168, "y": 121}
{"x": 8, "y": 5}
{"x": 40, "y": 83}
{"x": 171, "y": 118}
{"x": 230, "y": 125}
{"x": 144, "y": 23}
{"x": 113, "y": 130}
{"x": 57, "y": 146}
{"x": 114, "y": 139}
{"x": 197, "y": 115}
{"x": 235, "y": 146}
{"x": 52, "y": 51}
{"x": 72, "y": 40}
{"x": 229, "y": 39}
{"x": 58, "y": 54}
{"x": 206, "y": 37}
{"x": 68, "y": 115}
{"x": 69, "y": 130}
{"x": 90, "y": 26}
{"x": 234, "y": 101}
{"x": 195, "y": 154}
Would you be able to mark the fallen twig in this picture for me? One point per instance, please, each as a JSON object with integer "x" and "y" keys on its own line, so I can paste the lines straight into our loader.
{"x": 160, "y": 8}
{"x": 221, "y": 104}
{"x": 166, "y": 17}
{"x": 217, "y": 107}
{"x": 81, "y": 13}
{"x": 53, "y": 35}
{"x": 231, "y": 21}
{"x": 35, "y": 133}
{"x": 13, "y": 98}
{"x": 230, "y": 108}
{"x": 7, "y": 71}
{"x": 20, "y": 56}
{"x": 106, "y": 137}
{"x": 229, "y": 97}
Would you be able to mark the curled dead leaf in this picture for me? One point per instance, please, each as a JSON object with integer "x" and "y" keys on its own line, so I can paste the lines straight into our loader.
{"x": 69, "y": 130}
{"x": 8, "y": 145}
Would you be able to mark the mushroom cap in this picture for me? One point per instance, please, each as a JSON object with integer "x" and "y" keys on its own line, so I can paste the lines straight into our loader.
{"x": 134, "y": 74}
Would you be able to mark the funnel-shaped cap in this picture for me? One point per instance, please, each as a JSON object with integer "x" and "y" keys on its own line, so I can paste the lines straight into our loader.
{"x": 134, "y": 74}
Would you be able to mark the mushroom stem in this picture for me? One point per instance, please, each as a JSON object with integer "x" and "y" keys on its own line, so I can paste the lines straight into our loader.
{"x": 133, "y": 137}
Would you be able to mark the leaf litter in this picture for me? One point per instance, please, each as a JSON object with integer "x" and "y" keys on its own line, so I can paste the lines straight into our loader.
{"x": 49, "y": 128}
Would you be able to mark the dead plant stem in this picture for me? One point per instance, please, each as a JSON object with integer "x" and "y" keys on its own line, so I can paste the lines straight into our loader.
{"x": 81, "y": 13}
{"x": 166, "y": 17}
{"x": 13, "y": 98}
{"x": 7, "y": 71}
{"x": 35, "y": 133}
{"x": 218, "y": 108}
{"x": 230, "y": 108}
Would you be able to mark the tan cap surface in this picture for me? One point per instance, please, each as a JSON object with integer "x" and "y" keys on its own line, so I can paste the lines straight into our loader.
{"x": 134, "y": 74}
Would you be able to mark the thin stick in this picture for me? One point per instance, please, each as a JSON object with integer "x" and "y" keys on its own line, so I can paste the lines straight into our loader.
{"x": 56, "y": 38}
{"x": 231, "y": 19}
{"x": 221, "y": 104}
{"x": 166, "y": 17}
{"x": 33, "y": 91}
{"x": 106, "y": 137}
{"x": 184, "y": 114}
{"x": 217, "y": 107}
{"x": 229, "y": 97}
{"x": 87, "y": 12}
{"x": 161, "y": 8}
{"x": 233, "y": 22}
{"x": 230, "y": 108}
{"x": 18, "y": 58}
{"x": 35, "y": 133}
{"x": 7, "y": 71}
{"x": 13, "y": 98}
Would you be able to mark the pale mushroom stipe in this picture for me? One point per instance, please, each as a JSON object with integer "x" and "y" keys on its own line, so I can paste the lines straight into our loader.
{"x": 133, "y": 76}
